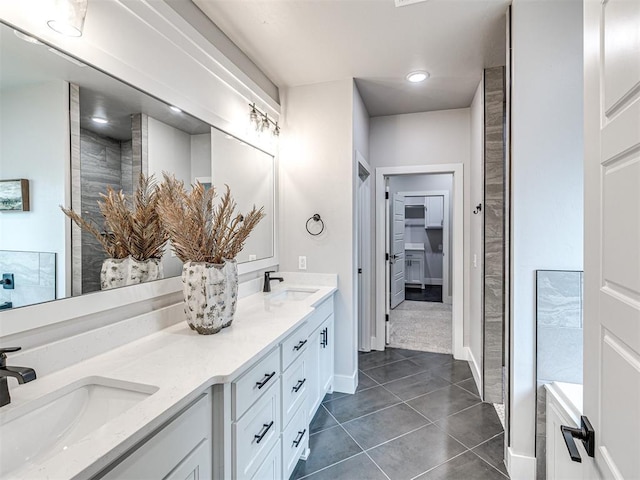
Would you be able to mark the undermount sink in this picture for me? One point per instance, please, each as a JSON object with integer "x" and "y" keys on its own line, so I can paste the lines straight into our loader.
{"x": 36, "y": 431}
{"x": 292, "y": 294}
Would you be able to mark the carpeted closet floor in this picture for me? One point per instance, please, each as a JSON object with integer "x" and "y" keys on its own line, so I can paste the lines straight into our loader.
{"x": 424, "y": 326}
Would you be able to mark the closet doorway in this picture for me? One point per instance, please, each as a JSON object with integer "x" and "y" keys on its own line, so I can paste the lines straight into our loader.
{"x": 419, "y": 224}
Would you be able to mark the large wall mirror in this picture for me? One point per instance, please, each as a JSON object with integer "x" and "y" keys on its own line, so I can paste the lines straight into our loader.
{"x": 71, "y": 131}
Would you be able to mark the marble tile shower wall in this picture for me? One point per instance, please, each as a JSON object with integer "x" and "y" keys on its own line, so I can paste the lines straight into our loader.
{"x": 559, "y": 305}
{"x": 34, "y": 276}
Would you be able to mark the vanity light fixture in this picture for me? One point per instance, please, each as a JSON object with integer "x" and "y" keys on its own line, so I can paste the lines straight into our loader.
{"x": 175, "y": 109}
{"x": 69, "y": 17}
{"x": 418, "y": 76}
{"x": 101, "y": 121}
{"x": 262, "y": 122}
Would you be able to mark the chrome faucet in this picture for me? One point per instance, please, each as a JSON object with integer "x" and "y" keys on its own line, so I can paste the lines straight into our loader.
{"x": 22, "y": 374}
{"x": 267, "y": 280}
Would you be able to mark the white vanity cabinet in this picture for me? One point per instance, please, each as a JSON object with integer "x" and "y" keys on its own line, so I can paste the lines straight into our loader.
{"x": 262, "y": 417}
{"x": 320, "y": 355}
{"x": 180, "y": 450}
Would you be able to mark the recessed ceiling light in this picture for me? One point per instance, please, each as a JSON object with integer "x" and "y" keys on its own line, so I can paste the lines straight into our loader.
{"x": 175, "y": 109}
{"x": 415, "y": 77}
{"x": 99, "y": 120}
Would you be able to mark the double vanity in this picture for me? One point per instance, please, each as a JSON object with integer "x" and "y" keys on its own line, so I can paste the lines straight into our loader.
{"x": 175, "y": 404}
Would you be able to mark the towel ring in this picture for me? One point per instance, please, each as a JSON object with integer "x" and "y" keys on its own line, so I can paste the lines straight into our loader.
{"x": 316, "y": 218}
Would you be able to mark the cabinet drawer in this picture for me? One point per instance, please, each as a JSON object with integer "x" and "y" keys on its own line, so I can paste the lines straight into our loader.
{"x": 271, "y": 468}
{"x": 321, "y": 312}
{"x": 256, "y": 432}
{"x": 294, "y": 441}
{"x": 294, "y": 388}
{"x": 250, "y": 386}
{"x": 294, "y": 345}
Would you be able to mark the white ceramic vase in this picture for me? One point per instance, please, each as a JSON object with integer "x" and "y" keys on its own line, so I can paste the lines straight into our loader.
{"x": 210, "y": 295}
{"x": 231, "y": 274}
{"x": 120, "y": 272}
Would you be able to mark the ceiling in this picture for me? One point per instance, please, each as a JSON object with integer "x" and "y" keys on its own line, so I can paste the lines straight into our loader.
{"x": 301, "y": 42}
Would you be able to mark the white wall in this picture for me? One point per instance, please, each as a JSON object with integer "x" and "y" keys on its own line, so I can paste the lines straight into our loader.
{"x": 200, "y": 156}
{"x": 473, "y": 308}
{"x": 422, "y": 139}
{"x": 35, "y": 145}
{"x": 547, "y": 183}
{"x": 316, "y": 176}
{"x": 169, "y": 151}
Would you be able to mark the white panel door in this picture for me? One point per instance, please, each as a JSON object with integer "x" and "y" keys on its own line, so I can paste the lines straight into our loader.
{"x": 612, "y": 236}
{"x": 397, "y": 251}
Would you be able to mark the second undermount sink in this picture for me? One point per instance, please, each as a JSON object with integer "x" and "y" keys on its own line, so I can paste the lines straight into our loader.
{"x": 34, "y": 432}
{"x": 292, "y": 294}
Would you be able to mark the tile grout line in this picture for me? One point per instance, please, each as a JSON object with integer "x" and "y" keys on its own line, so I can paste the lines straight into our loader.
{"x": 492, "y": 466}
{"x": 440, "y": 464}
{"x": 365, "y": 452}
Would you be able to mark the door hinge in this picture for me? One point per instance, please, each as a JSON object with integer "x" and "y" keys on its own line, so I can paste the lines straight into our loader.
{"x": 386, "y": 257}
{"x": 359, "y": 270}
{"x": 386, "y": 317}
{"x": 386, "y": 195}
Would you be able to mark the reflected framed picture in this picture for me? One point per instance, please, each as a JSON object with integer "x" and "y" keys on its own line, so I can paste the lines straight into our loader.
{"x": 14, "y": 195}
{"x": 205, "y": 181}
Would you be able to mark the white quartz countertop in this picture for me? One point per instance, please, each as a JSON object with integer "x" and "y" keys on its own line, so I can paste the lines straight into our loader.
{"x": 180, "y": 363}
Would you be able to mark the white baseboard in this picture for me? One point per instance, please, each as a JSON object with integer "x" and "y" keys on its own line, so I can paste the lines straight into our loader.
{"x": 475, "y": 369}
{"x": 345, "y": 383}
{"x": 520, "y": 467}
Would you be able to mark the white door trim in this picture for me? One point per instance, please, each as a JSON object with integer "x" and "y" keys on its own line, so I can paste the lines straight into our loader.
{"x": 364, "y": 255}
{"x": 457, "y": 230}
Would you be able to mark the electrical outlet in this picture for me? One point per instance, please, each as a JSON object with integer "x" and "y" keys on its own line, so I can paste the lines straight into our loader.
{"x": 252, "y": 258}
{"x": 302, "y": 263}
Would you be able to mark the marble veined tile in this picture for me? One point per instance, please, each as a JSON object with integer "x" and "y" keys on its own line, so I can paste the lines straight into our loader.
{"x": 559, "y": 298}
{"x": 47, "y": 269}
{"x": 559, "y": 354}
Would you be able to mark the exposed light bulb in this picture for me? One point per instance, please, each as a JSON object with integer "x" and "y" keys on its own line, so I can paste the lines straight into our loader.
{"x": 101, "y": 121}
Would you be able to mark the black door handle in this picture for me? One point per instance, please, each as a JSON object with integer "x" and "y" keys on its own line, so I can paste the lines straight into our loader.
{"x": 584, "y": 433}
{"x": 300, "y": 344}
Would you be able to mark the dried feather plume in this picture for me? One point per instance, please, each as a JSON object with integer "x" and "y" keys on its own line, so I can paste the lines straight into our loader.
{"x": 201, "y": 231}
{"x": 135, "y": 230}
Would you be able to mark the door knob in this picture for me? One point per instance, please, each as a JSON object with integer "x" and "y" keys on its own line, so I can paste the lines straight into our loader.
{"x": 584, "y": 433}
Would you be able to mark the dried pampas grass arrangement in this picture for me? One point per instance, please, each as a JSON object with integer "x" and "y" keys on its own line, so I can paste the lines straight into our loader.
{"x": 134, "y": 230}
{"x": 199, "y": 230}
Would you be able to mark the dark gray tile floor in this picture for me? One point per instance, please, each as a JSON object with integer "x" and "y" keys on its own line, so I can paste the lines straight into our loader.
{"x": 415, "y": 415}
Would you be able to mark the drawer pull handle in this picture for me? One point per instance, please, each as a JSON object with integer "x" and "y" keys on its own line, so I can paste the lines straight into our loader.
{"x": 300, "y": 344}
{"x": 299, "y": 385}
{"x": 297, "y": 441}
{"x": 267, "y": 377}
{"x": 261, "y": 435}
